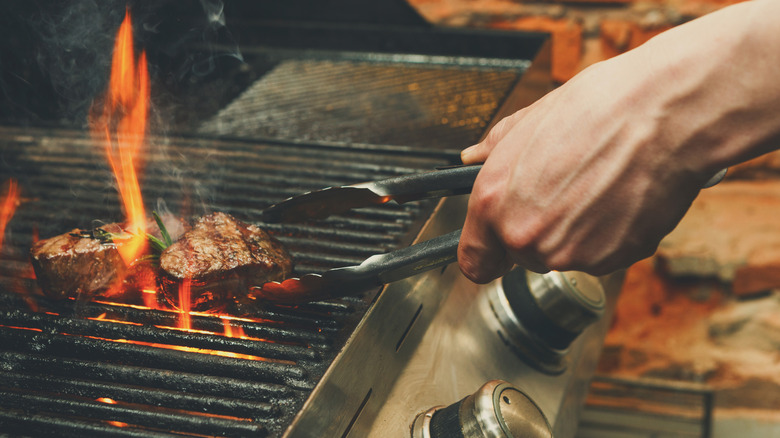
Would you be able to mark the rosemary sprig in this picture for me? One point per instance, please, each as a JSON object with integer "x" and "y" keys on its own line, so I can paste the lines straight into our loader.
{"x": 157, "y": 244}
{"x": 163, "y": 231}
{"x": 101, "y": 235}
{"x": 108, "y": 238}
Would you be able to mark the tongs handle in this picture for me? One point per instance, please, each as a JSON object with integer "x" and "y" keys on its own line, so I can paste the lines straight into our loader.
{"x": 373, "y": 272}
{"x": 444, "y": 181}
{"x": 319, "y": 204}
{"x": 412, "y": 260}
{"x": 385, "y": 268}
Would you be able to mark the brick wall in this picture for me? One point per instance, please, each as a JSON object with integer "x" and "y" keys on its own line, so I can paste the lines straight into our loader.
{"x": 583, "y": 31}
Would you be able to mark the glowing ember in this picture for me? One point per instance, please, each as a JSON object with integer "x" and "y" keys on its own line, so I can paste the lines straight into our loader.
{"x": 106, "y": 400}
{"x": 121, "y": 125}
{"x": 117, "y": 423}
{"x": 8, "y": 207}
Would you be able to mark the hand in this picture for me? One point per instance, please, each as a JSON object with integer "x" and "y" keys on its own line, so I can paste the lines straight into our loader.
{"x": 593, "y": 176}
{"x": 573, "y": 182}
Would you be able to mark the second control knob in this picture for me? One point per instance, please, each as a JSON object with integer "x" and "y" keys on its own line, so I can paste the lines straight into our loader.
{"x": 496, "y": 410}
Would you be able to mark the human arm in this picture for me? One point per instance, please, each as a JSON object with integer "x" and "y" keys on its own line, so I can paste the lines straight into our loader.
{"x": 592, "y": 176}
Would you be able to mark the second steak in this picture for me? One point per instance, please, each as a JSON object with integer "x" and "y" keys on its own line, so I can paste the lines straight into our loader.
{"x": 224, "y": 255}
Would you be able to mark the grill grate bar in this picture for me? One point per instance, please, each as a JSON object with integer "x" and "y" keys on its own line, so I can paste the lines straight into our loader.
{"x": 155, "y": 419}
{"x": 183, "y": 381}
{"x": 91, "y": 389}
{"x": 151, "y": 334}
{"x": 304, "y": 327}
{"x": 25, "y": 424}
{"x": 119, "y": 351}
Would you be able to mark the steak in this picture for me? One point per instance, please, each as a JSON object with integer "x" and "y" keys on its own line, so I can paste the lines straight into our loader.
{"x": 84, "y": 263}
{"x": 76, "y": 265}
{"x": 222, "y": 256}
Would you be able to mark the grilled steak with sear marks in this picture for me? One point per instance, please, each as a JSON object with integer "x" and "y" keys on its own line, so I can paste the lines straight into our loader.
{"x": 223, "y": 255}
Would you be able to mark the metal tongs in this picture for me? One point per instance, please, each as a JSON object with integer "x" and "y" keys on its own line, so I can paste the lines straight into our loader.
{"x": 378, "y": 269}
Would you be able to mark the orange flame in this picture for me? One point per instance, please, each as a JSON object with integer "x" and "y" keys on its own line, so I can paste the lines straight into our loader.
{"x": 121, "y": 126}
{"x": 8, "y": 207}
{"x": 184, "y": 304}
{"x": 233, "y": 331}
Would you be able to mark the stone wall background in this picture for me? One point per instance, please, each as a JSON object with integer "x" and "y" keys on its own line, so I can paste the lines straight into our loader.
{"x": 706, "y": 307}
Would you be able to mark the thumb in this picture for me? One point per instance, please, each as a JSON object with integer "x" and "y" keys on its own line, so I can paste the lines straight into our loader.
{"x": 480, "y": 151}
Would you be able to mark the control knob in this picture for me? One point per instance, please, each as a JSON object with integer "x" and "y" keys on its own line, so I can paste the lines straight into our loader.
{"x": 540, "y": 315}
{"x": 496, "y": 410}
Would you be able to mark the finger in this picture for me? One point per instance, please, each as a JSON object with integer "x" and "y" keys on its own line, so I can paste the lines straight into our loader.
{"x": 480, "y": 151}
{"x": 530, "y": 262}
{"x": 480, "y": 254}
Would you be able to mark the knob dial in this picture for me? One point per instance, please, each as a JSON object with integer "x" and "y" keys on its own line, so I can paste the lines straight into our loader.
{"x": 496, "y": 410}
{"x": 556, "y": 306}
{"x": 540, "y": 315}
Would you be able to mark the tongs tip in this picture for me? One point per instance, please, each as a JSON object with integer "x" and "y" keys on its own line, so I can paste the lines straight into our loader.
{"x": 290, "y": 291}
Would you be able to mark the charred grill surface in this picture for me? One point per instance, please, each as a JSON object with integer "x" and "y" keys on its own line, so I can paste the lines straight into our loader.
{"x": 75, "y": 367}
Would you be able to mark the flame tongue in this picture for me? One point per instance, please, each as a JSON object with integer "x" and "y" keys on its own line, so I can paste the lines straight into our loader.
{"x": 121, "y": 125}
{"x": 7, "y": 207}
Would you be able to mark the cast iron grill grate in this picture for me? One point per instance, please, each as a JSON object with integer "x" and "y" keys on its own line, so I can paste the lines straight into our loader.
{"x": 104, "y": 367}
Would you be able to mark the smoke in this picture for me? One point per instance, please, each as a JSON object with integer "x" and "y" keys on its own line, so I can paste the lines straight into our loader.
{"x": 56, "y": 55}
{"x": 75, "y": 51}
{"x": 198, "y": 48}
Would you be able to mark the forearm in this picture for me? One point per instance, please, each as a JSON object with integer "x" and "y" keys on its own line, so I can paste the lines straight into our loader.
{"x": 716, "y": 85}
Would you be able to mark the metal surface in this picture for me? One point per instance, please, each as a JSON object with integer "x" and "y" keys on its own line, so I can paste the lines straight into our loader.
{"x": 439, "y": 106}
{"x": 377, "y": 269}
{"x": 320, "y": 204}
{"x": 429, "y": 340}
{"x": 355, "y": 387}
{"x": 718, "y": 177}
{"x": 570, "y": 300}
{"x": 496, "y": 410}
{"x": 421, "y": 428}
{"x": 485, "y": 413}
{"x": 461, "y": 349}
{"x": 521, "y": 416}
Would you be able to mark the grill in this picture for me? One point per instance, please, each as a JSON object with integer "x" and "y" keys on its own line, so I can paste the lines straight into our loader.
{"x": 330, "y": 105}
{"x": 66, "y": 357}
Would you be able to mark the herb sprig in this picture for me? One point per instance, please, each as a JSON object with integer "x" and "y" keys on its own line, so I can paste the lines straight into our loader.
{"x": 159, "y": 245}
